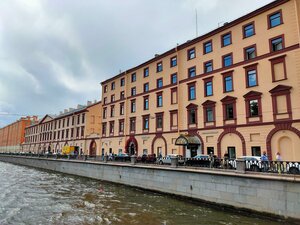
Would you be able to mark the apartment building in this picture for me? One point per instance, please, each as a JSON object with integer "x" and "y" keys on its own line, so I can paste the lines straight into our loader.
{"x": 12, "y": 135}
{"x": 78, "y": 127}
{"x": 234, "y": 90}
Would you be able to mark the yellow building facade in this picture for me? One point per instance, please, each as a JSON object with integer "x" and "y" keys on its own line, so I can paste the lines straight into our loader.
{"x": 78, "y": 127}
{"x": 236, "y": 89}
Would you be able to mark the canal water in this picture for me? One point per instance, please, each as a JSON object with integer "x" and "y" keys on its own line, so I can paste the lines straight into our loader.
{"x": 32, "y": 196}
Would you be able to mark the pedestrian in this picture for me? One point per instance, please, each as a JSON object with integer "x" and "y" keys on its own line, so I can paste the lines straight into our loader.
{"x": 212, "y": 160}
{"x": 278, "y": 162}
{"x": 225, "y": 163}
{"x": 264, "y": 160}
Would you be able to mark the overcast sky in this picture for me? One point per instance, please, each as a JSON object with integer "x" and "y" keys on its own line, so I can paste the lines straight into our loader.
{"x": 54, "y": 53}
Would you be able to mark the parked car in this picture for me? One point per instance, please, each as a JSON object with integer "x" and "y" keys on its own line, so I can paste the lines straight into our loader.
{"x": 150, "y": 158}
{"x": 202, "y": 161}
{"x": 167, "y": 159}
{"x": 122, "y": 157}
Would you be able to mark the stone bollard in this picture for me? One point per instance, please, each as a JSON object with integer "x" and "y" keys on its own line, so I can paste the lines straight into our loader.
{"x": 105, "y": 158}
{"x": 174, "y": 161}
{"x": 69, "y": 157}
{"x": 85, "y": 157}
{"x": 133, "y": 159}
{"x": 240, "y": 165}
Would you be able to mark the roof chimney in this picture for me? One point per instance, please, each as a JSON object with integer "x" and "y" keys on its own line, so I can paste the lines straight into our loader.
{"x": 60, "y": 112}
{"x": 65, "y": 110}
{"x": 79, "y": 106}
{"x": 71, "y": 109}
{"x": 156, "y": 55}
{"x": 89, "y": 103}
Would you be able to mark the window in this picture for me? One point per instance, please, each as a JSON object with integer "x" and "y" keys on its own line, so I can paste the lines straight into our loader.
{"x": 248, "y": 30}
{"x": 210, "y": 150}
{"x": 68, "y": 122}
{"x": 121, "y": 126}
{"x": 229, "y": 112}
{"x": 174, "y": 95}
{"x": 191, "y": 53}
{"x": 174, "y": 78}
{"x": 105, "y": 100}
{"x": 251, "y": 77}
{"x": 192, "y": 91}
{"x": 281, "y": 102}
{"x": 63, "y": 123}
{"x": 146, "y": 122}
{"x": 278, "y": 67}
{"x": 146, "y": 87}
{"x": 192, "y": 71}
{"x": 275, "y": 19}
{"x": 174, "y": 119}
{"x": 276, "y": 43}
{"x": 209, "y": 113}
{"x": 73, "y": 120}
{"x": 121, "y": 108}
{"x": 159, "y": 67}
{"x": 226, "y": 39}
{"x": 207, "y": 47}
{"x": 133, "y": 106}
{"x": 111, "y": 128}
{"x": 231, "y": 152}
{"x": 159, "y": 99}
{"x": 113, "y": 86}
{"x": 159, "y": 120}
{"x": 122, "y": 95}
{"x": 192, "y": 116}
{"x": 104, "y": 113}
{"x": 133, "y": 91}
{"x": 78, "y": 119}
{"x": 82, "y": 131}
{"x": 253, "y": 108}
{"x": 146, "y": 102}
{"x": 256, "y": 151}
{"x": 250, "y": 52}
{"x": 146, "y": 72}
{"x": 112, "y": 111}
{"x": 208, "y": 86}
{"x": 112, "y": 98}
{"x": 132, "y": 125}
{"x": 173, "y": 61}
{"x": 77, "y": 131}
{"x": 122, "y": 82}
{"x": 105, "y": 88}
{"x": 227, "y": 60}
{"x": 228, "y": 83}
{"x": 208, "y": 67}
{"x": 159, "y": 83}
{"x": 133, "y": 77}
{"x": 83, "y": 118}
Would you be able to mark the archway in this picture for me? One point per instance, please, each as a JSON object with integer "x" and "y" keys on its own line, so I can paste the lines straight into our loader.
{"x": 231, "y": 142}
{"x": 131, "y": 146}
{"x": 287, "y": 144}
{"x": 159, "y": 146}
{"x": 93, "y": 148}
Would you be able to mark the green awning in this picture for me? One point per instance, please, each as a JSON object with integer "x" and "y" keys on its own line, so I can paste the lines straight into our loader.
{"x": 187, "y": 140}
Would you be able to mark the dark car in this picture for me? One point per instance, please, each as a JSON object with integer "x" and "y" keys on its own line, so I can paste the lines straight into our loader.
{"x": 202, "y": 161}
{"x": 151, "y": 158}
{"x": 122, "y": 157}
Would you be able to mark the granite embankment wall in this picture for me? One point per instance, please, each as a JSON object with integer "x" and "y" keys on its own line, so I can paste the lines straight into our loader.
{"x": 278, "y": 195}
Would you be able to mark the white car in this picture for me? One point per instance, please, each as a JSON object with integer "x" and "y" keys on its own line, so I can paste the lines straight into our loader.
{"x": 167, "y": 159}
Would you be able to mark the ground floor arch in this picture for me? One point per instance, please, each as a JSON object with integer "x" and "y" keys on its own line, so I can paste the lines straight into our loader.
{"x": 159, "y": 146}
{"x": 93, "y": 148}
{"x": 131, "y": 146}
{"x": 286, "y": 142}
{"x": 231, "y": 143}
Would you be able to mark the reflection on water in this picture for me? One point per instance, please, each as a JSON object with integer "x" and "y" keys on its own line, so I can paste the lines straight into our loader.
{"x": 31, "y": 196}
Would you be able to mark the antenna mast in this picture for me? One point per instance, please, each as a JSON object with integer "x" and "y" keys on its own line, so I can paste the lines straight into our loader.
{"x": 196, "y": 23}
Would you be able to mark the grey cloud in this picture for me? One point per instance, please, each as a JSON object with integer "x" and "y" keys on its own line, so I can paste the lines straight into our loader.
{"x": 54, "y": 54}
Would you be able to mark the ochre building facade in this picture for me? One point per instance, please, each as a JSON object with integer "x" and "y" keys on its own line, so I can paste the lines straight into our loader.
{"x": 12, "y": 135}
{"x": 78, "y": 127}
{"x": 235, "y": 89}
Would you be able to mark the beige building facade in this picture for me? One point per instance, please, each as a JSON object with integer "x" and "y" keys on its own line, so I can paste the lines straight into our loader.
{"x": 78, "y": 127}
{"x": 236, "y": 90}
